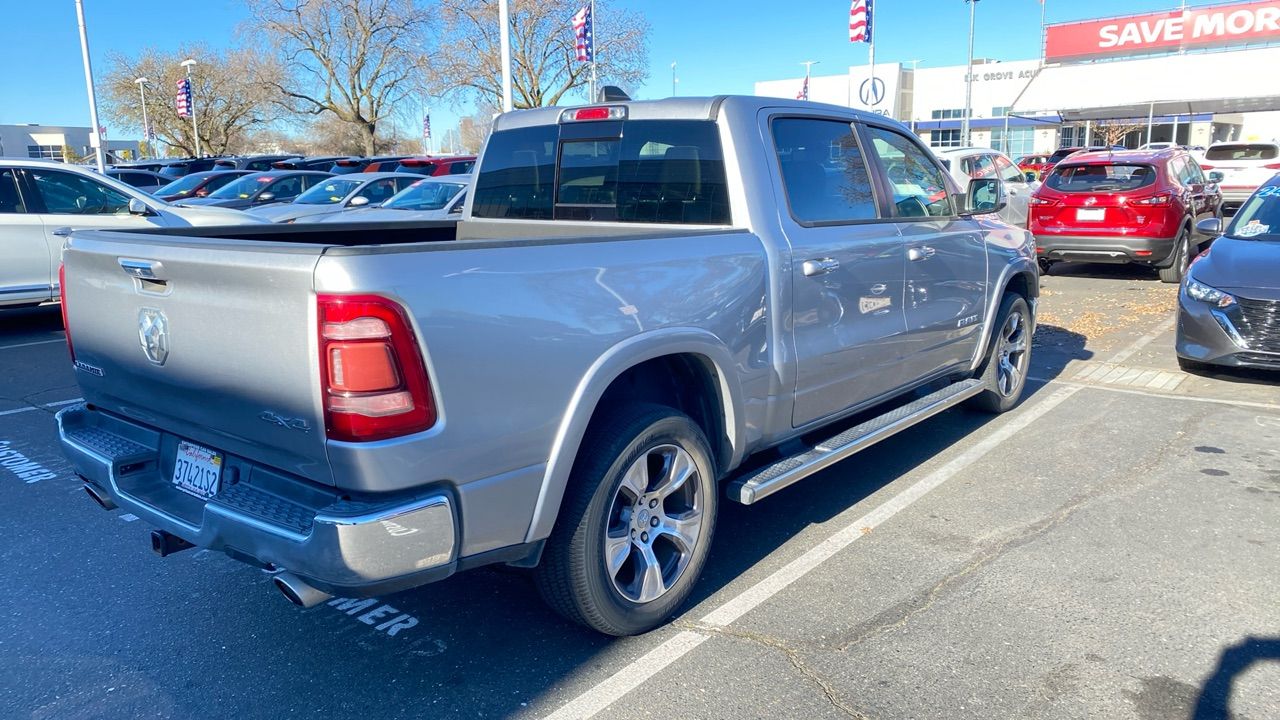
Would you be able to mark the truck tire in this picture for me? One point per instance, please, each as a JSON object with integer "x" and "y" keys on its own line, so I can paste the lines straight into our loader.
{"x": 1005, "y": 371}
{"x": 636, "y": 522}
{"x": 1181, "y": 259}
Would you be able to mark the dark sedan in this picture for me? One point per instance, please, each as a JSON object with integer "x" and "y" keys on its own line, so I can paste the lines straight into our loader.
{"x": 144, "y": 180}
{"x": 1229, "y": 304}
{"x": 198, "y": 185}
{"x": 260, "y": 189}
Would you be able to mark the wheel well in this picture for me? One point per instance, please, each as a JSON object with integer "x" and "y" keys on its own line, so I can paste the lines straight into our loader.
{"x": 686, "y": 382}
{"x": 1021, "y": 285}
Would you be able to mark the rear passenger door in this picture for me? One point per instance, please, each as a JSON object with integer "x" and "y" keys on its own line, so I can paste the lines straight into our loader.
{"x": 946, "y": 269}
{"x": 25, "y": 258}
{"x": 847, "y": 265}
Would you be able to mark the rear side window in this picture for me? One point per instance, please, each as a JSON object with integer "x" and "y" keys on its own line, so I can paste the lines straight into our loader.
{"x": 10, "y": 200}
{"x": 823, "y": 171}
{"x": 978, "y": 166}
{"x": 461, "y": 168}
{"x": 1243, "y": 151}
{"x": 1100, "y": 178}
{"x": 919, "y": 189}
{"x": 656, "y": 171}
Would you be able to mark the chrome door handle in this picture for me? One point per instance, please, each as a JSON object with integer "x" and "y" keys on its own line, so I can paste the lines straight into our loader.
{"x": 63, "y": 232}
{"x": 819, "y": 266}
{"x": 920, "y": 253}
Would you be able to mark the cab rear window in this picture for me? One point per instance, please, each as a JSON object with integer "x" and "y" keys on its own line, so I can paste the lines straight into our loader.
{"x": 648, "y": 171}
{"x": 1243, "y": 151}
{"x": 1100, "y": 178}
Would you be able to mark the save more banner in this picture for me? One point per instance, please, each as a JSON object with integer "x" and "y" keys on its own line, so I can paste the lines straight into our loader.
{"x": 1212, "y": 26}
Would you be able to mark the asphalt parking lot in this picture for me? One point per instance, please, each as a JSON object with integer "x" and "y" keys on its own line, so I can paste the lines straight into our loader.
{"x": 1109, "y": 549}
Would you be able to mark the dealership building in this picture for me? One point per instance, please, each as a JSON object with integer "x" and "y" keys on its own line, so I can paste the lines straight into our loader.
{"x": 54, "y": 142}
{"x": 1199, "y": 76}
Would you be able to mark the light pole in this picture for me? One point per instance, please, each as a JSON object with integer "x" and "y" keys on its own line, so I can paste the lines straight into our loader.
{"x": 195, "y": 128}
{"x": 914, "y": 63}
{"x": 146, "y": 126}
{"x": 674, "y": 79}
{"x": 504, "y": 41}
{"x": 968, "y": 81}
{"x": 96, "y": 130}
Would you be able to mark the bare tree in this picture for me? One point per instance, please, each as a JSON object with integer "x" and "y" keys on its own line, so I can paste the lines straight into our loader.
{"x": 227, "y": 89}
{"x": 1113, "y": 132}
{"x": 544, "y": 67}
{"x": 474, "y": 130}
{"x": 352, "y": 59}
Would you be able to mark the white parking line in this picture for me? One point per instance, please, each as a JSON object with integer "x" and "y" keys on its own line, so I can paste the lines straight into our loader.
{"x": 59, "y": 403}
{"x": 1143, "y": 341}
{"x": 591, "y": 702}
{"x": 29, "y": 344}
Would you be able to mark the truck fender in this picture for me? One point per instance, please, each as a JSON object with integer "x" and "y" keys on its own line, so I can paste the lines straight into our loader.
{"x": 1016, "y": 265}
{"x": 609, "y": 367}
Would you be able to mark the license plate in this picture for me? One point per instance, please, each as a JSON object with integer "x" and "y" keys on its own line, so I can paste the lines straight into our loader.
{"x": 197, "y": 470}
{"x": 1090, "y": 214}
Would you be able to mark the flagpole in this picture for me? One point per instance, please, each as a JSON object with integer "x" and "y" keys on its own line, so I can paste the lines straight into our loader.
{"x": 807, "y": 65}
{"x": 100, "y": 152}
{"x": 871, "y": 48}
{"x": 1043, "y": 48}
{"x": 504, "y": 42}
{"x": 595, "y": 81}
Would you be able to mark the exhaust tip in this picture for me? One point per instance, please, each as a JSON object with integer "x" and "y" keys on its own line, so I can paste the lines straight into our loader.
{"x": 297, "y": 591}
{"x": 102, "y": 499}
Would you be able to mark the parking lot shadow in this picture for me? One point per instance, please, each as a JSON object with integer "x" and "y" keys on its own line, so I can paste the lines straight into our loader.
{"x": 1104, "y": 271}
{"x": 1250, "y": 376}
{"x": 1053, "y": 347}
{"x": 43, "y": 319}
{"x": 1214, "y": 702}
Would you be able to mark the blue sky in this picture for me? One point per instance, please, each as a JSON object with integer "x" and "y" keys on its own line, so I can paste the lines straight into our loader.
{"x": 720, "y": 46}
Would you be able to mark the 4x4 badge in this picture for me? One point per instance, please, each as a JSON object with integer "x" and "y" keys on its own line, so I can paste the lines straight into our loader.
{"x": 153, "y": 333}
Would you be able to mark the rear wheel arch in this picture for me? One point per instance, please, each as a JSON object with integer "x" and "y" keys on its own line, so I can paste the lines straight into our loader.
{"x": 619, "y": 377}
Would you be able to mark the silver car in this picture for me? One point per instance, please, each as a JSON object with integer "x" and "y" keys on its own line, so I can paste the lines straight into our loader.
{"x": 432, "y": 198}
{"x": 41, "y": 202}
{"x": 335, "y": 194}
{"x": 968, "y": 163}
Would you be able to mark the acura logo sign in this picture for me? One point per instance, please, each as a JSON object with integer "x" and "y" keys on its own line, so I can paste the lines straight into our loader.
{"x": 153, "y": 333}
{"x": 871, "y": 91}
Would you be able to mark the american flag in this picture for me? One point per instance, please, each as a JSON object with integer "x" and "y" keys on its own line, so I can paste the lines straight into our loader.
{"x": 583, "y": 28}
{"x": 804, "y": 90}
{"x": 860, "y": 21}
{"x": 183, "y": 99}
{"x": 426, "y": 126}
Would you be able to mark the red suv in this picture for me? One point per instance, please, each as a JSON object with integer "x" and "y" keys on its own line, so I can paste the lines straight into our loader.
{"x": 436, "y": 166}
{"x": 1124, "y": 206}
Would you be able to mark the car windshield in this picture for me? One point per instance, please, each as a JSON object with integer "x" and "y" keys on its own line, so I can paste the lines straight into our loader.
{"x": 1100, "y": 178}
{"x": 425, "y": 195}
{"x": 182, "y": 186}
{"x": 245, "y": 187}
{"x": 329, "y": 192}
{"x": 1243, "y": 151}
{"x": 1259, "y": 218}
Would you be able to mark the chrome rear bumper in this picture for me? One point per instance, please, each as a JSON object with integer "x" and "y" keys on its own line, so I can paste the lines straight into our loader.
{"x": 264, "y": 517}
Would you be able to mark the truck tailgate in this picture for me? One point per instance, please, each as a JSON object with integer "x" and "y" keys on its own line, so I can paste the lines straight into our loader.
{"x": 218, "y": 347}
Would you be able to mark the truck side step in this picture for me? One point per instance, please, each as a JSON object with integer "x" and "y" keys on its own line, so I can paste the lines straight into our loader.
{"x": 767, "y": 480}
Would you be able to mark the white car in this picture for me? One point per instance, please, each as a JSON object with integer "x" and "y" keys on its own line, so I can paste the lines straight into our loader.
{"x": 332, "y": 195}
{"x": 967, "y": 163}
{"x": 41, "y": 202}
{"x": 430, "y": 198}
{"x": 1245, "y": 166}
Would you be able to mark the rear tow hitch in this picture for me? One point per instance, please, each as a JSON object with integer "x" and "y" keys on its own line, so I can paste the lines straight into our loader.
{"x": 165, "y": 544}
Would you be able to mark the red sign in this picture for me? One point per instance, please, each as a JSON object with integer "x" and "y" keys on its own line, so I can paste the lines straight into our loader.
{"x": 1213, "y": 26}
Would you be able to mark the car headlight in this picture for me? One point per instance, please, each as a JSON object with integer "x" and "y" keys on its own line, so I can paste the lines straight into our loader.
{"x": 1211, "y": 295}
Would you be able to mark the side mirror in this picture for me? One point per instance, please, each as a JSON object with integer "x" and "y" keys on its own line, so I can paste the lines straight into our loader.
{"x": 456, "y": 209}
{"x": 1030, "y": 176}
{"x": 1210, "y": 227}
{"x": 985, "y": 195}
{"x": 358, "y": 201}
{"x": 1215, "y": 177}
{"x": 265, "y": 197}
{"x": 137, "y": 207}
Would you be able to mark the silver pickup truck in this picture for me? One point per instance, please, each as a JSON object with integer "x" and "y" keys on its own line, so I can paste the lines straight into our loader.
{"x": 645, "y": 306}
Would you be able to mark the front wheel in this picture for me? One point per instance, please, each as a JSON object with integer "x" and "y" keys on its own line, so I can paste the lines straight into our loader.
{"x": 636, "y": 523}
{"x": 1005, "y": 372}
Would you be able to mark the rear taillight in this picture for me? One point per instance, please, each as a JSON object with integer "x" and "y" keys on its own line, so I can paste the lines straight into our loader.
{"x": 372, "y": 375}
{"x": 594, "y": 113}
{"x": 1272, "y": 166}
{"x": 62, "y": 303}
{"x": 1153, "y": 200}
